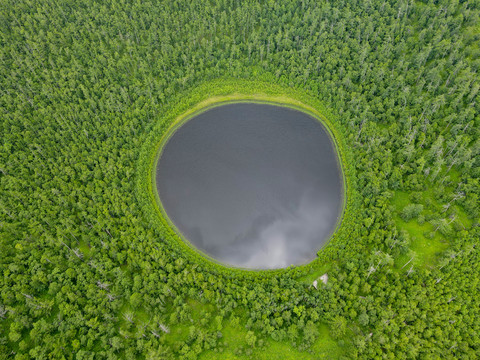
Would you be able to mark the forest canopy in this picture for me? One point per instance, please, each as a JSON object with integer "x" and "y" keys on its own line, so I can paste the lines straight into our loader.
{"x": 90, "y": 271}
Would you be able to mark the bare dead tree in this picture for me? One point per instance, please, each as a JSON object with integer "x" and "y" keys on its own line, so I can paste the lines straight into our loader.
{"x": 164, "y": 328}
{"x": 408, "y": 262}
{"x": 371, "y": 271}
{"x": 410, "y": 270}
{"x": 128, "y": 317}
{"x": 78, "y": 253}
{"x": 144, "y": 326}
{"x": 394, "y": 241}
{"x": 103, "y": 286}
{"x": 3, "y": 312}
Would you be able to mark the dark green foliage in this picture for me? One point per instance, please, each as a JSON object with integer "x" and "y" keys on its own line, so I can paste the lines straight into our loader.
{"x": 86, "y": 89}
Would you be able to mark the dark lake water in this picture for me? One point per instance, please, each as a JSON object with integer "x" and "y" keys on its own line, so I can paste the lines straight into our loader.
{"x": 252, "y": 185}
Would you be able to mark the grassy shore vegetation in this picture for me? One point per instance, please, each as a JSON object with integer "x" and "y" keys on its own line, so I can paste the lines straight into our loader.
{"x": 89, "y": 270}
{"x": 217, "y": 93}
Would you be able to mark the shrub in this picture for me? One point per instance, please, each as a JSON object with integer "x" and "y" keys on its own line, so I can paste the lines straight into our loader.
{"x": 411, "y": 211}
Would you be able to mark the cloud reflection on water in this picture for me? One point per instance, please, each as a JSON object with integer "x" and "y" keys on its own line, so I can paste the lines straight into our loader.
{"x": 290, "y": 238}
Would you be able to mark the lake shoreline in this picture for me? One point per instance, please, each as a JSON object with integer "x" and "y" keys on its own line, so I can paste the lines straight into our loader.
{"x": 282, "y": 154}
{"x": 225, "y": 92}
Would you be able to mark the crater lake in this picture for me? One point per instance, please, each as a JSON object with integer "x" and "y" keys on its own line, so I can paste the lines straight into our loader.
{"x": 255, "y": 186}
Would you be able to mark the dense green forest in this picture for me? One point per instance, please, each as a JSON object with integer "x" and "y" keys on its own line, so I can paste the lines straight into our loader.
{"x": 90, "y": 271}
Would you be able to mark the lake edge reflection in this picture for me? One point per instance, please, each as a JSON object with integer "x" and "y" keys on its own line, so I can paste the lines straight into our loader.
{"x": 277, "y": 220}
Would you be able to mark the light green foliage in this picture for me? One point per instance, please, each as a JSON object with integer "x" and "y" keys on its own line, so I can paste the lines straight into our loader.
{"x": 89, "y": 267}
{"x": 411, "y": 211}
{"x": 135, "y": 300}
{"x": 250, "y": 338}
{"x": 338, "y": 327}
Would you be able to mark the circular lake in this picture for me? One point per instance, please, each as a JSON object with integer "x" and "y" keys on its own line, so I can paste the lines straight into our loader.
{"x": 252, "y": 185}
